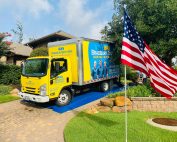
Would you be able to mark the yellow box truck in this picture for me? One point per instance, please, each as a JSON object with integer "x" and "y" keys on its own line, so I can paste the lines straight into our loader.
{"x": 71, "y": 66}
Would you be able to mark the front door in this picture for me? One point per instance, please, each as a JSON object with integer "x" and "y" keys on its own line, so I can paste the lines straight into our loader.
{"x": 60, "y": 76}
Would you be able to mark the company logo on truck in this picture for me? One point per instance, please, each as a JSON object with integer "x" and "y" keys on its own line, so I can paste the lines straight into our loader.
{"x": 104, "y": 51}
{"x": 61, "y": 48}
{"x": 62, "y": 51}
{"x": 94, "y": 52}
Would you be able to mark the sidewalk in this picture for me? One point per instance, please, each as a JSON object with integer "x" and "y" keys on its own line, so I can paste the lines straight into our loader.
{"x": 24, "y": 122}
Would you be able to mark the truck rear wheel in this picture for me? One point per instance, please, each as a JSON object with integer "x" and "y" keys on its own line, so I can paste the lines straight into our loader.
{"x": 104, "y": 86}
{"x": 64, "y": 98}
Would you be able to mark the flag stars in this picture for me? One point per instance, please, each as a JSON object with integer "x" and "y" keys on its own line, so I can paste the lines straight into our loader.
{"x": 131, "y": 33}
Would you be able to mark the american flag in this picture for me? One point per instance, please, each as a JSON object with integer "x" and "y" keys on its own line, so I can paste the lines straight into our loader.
{"x": 138, "y": 55}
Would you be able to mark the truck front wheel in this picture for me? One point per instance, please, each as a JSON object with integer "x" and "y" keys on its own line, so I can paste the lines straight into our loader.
{"x": 104, "y": 86}
{"x": 64, "y": 98}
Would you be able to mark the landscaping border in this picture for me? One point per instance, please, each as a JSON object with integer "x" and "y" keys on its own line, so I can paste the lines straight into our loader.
{"x": 155, "y": 104}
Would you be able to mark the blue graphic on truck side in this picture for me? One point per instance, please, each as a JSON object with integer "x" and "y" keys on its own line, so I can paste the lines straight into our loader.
{"x": 100, "y": 60}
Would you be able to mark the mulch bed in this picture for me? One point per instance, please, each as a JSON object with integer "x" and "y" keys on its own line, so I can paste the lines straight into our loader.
{"x": 165, "y": 121}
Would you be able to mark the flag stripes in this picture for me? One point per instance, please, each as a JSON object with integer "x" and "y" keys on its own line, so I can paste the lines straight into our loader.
{"x": 163, "y": 78}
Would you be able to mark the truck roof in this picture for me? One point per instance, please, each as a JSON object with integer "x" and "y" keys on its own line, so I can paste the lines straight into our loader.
{"x": 38, "y": 57}
{"x": 73, "y": 40}
{"x": 90, "y": 39}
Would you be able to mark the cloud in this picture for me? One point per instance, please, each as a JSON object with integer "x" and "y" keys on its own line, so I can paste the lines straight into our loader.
{"x": 24, "y": 7}
{"x": 83, "y": 20}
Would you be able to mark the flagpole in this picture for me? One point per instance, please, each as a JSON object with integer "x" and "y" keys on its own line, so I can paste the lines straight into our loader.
{"x": 125, "y": 103}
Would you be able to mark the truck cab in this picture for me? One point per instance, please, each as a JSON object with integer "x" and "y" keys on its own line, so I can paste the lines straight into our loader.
{"x": 45, "y": 78}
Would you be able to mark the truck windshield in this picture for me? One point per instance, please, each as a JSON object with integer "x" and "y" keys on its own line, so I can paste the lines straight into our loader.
{"x": 35, "y": 67}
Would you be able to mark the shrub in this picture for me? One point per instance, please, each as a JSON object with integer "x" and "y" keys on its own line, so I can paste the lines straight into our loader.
{"x": 133, "y": 76}
{"x": 10, "y": 74}
{"x": 5, "y": 90}
{"x": 42, "y": 51}
{"x": 130, "y": 73}
{"x": 136, "y": 91}
{"x": 116, "y": 94}
{"x": 122, "y": 71}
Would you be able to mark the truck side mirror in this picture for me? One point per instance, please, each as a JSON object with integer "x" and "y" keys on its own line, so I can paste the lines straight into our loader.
{"x": 22, "y": 64}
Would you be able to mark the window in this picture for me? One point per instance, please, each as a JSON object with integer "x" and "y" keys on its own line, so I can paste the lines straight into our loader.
{"x": 35, "y": 67}
{"x": 58, "y": 66}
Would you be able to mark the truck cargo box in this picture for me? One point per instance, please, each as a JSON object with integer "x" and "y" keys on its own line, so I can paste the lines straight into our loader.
{"x": 91, "y": 60}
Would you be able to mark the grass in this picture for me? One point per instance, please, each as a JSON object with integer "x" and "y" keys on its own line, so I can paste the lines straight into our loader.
{"x": 109, "y": 127}
{"x": 5, "y": 89}
{"x": 5, "y": 94}
{"x": 7, "y": 98}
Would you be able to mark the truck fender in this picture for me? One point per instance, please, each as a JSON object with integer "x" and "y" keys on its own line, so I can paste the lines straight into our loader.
{"x": 69, "y": 88}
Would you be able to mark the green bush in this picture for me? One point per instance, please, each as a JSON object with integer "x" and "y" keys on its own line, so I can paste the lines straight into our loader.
{"x": 10, "y": 74}
{"x": 42, "y": 51}
{"x": 136, "y": 91}
{"x": 131, "y": 74}
{"x": 5, "y": 90}
{"x": 175, "y": 67}
{"x": 122, "y": 70}
{"x": 116, "y": 94}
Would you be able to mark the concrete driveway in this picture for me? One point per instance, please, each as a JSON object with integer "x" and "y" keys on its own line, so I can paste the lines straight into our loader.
{"x": 24, "y": 122}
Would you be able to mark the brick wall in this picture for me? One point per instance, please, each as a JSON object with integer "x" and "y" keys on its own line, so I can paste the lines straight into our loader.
{"x": 156, "y": 104}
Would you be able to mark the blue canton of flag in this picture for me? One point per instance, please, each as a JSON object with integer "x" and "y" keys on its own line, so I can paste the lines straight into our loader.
{"x": 131, "y": 33}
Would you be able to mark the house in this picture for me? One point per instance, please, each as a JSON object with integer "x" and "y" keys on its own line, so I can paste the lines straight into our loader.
{"x": 43, "y": 41}
{"x": 18, "y": 53}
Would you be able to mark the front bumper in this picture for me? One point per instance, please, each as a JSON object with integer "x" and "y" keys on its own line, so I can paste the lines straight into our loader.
{"x": 34, "y": 98}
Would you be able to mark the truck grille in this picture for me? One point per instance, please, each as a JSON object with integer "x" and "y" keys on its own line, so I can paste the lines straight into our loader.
{"x": 31, "y": 90}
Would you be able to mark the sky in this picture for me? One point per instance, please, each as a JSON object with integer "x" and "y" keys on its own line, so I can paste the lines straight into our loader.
{"x": 81, "y": 18}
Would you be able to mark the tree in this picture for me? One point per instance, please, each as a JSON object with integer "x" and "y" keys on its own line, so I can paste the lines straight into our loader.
{"x": 113, "y": 32}
{"x": 18, "y": 32}
{"x": 4, "y": 45}
{"x": 155, "y": 20}
{"x": 32, "y": 38}
{"x": 42, "y": 51}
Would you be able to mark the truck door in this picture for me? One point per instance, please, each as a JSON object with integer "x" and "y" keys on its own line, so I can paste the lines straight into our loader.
{"x": 60, "y": 76}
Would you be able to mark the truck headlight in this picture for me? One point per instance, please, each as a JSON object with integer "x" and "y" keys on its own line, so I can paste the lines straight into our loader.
{"x": 43, "y": 90}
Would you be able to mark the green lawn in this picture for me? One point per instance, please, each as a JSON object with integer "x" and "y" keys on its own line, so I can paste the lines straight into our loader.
{"x": 7, "y": 98}
{"x": 5, "y": 94}
{"x": 109, "y": 127}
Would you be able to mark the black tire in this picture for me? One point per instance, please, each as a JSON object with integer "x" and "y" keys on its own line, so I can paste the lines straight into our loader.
{"x": 64, "y": 98}
{"x": 104, "y": 86}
